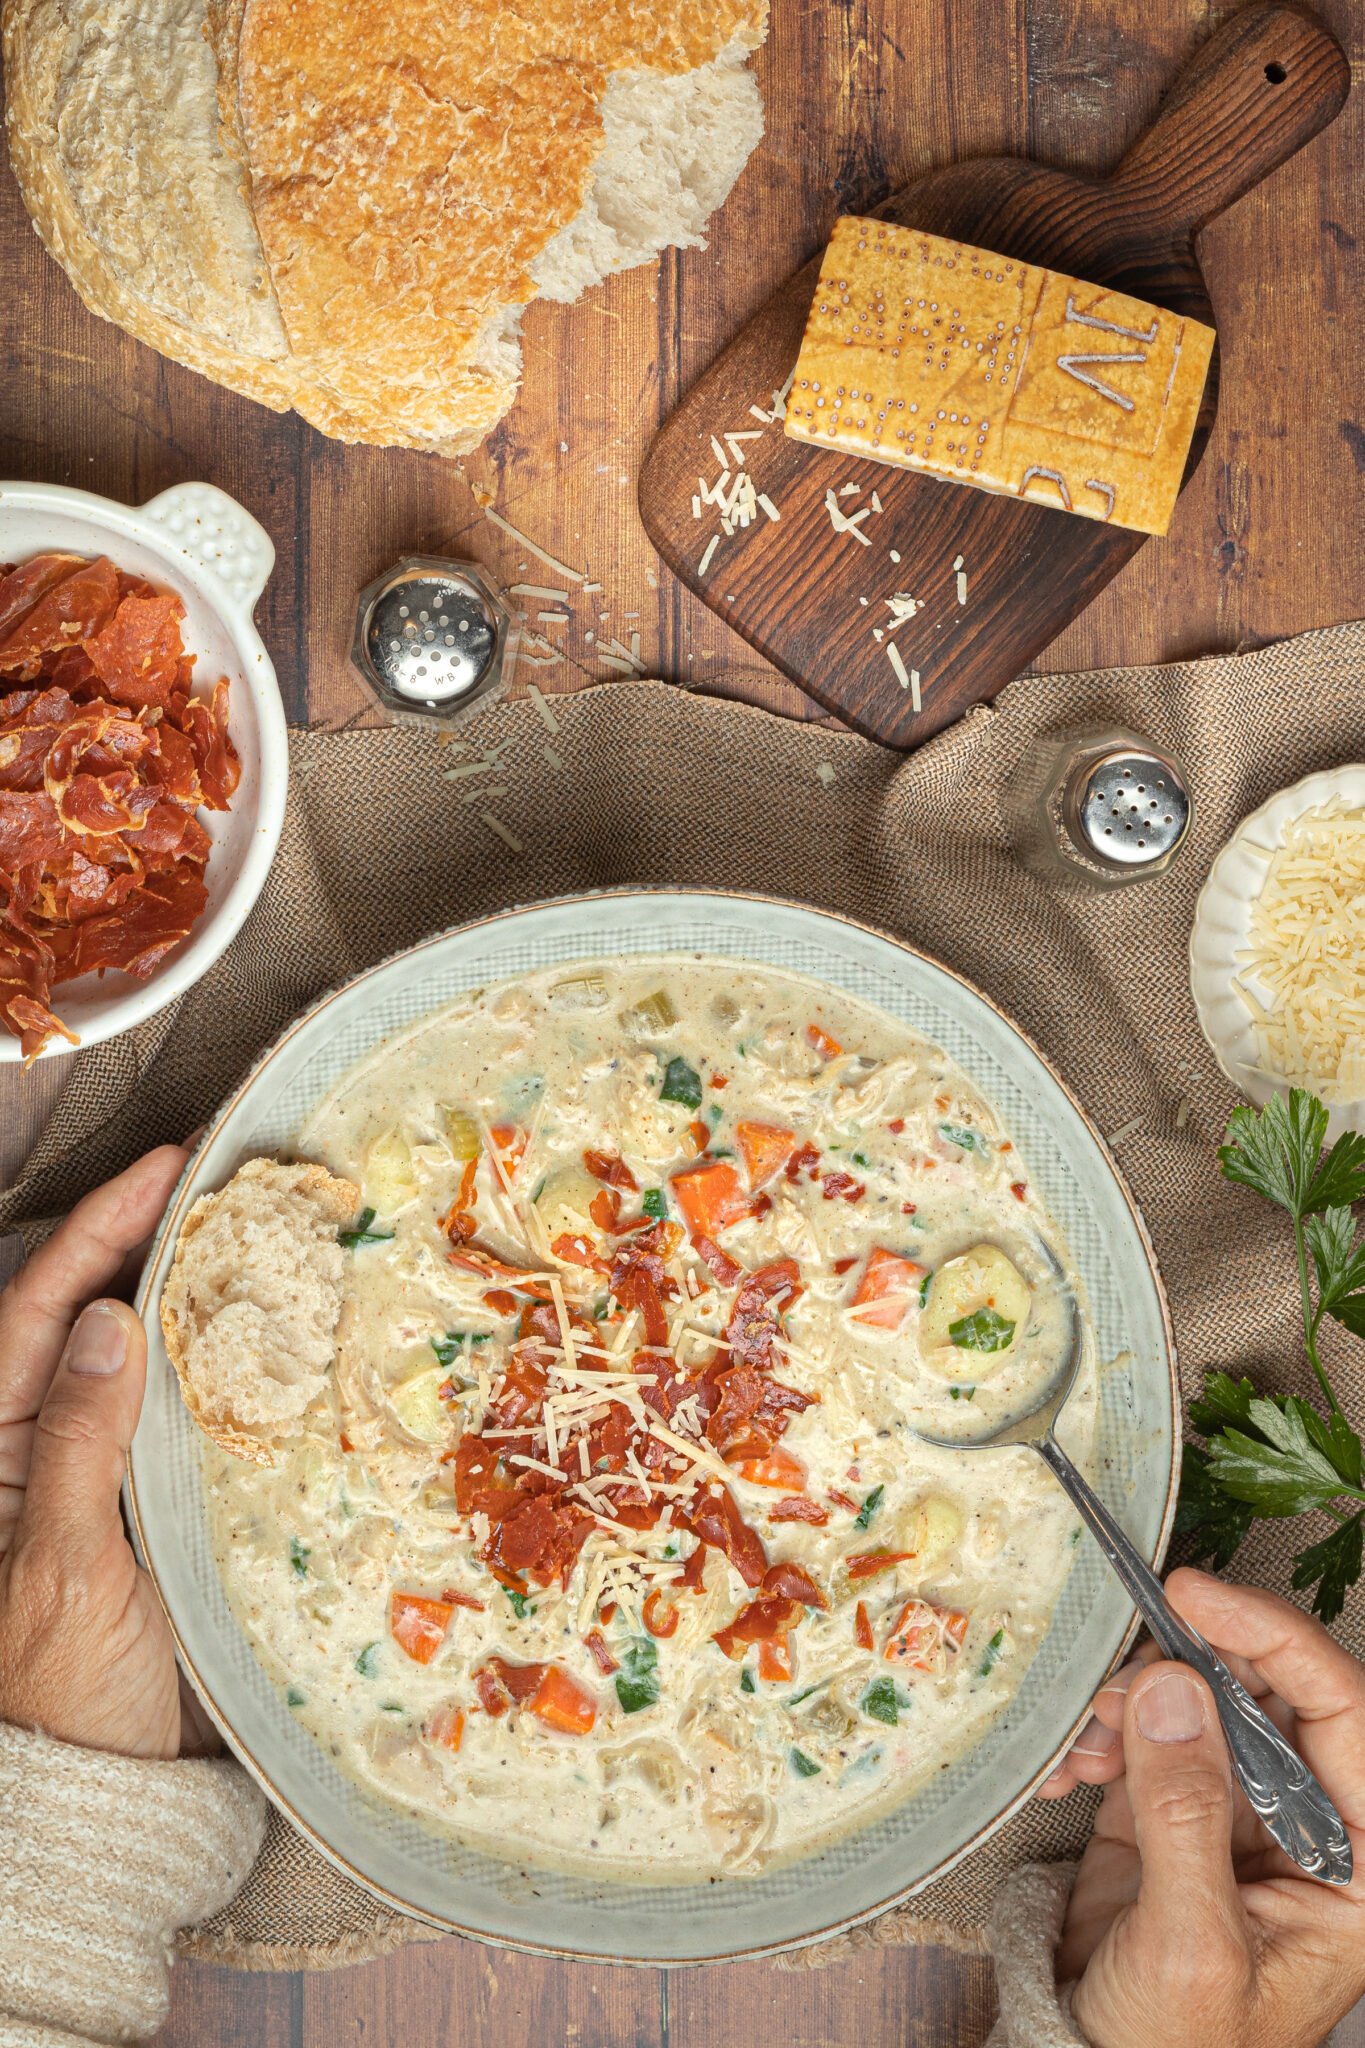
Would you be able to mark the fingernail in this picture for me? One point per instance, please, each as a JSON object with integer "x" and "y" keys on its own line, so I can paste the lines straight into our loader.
{"x": 1094, "y": 1741}
{"x": 98, "y": 1344}
{"x": 1123, "y": 1677}
{"x": 1170, "y": 1709}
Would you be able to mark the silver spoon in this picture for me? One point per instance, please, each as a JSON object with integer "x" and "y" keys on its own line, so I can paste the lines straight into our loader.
{"x": 1282, "y": 1791}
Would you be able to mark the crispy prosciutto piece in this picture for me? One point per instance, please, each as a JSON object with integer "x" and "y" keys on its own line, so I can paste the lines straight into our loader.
{"x": 21, "y": 588}
{"x": 476, "y": 1258}
{"x": 715, "y": 1518}
{"x": 138, "y": 935}
{"x": 799, "y": 1509}
{"x": 760, "y": 1622}
{"x": 71, "y": 610}
{"x": 793, "y": 1582}
{"x": 137, "y": 654}
{"x": 719, "y": 1262}
{"x": 552, "y": 1694}
{"x": 756, "y": 1316}
{"x": 606, "y": 1166}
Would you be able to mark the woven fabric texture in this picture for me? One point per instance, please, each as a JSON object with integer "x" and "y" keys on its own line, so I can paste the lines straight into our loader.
{"x": 642, "y": 783}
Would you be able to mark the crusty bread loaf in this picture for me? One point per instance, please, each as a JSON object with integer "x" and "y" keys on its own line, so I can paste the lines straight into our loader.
{"x": 250, "y": 1306}
{"x": 344, "y": 208}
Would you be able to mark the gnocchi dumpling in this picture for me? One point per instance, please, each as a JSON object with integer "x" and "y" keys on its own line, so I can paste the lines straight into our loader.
{"x": 564, "y": 1203}
{"x": 976, "y": 1308}
{"x": 388, "y": 1178}
{"x": 417, "y": 1403}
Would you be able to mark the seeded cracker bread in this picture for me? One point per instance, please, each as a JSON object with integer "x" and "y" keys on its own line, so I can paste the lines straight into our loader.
{"x": 344, "y": 209}
{"x": 250, "y": 1307}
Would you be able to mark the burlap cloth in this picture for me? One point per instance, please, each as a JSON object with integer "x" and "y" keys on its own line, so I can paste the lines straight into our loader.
{"x": 656, "y": 785}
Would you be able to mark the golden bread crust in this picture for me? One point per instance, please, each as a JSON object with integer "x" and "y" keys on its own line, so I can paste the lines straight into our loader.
{"x": 338, "y": 1201}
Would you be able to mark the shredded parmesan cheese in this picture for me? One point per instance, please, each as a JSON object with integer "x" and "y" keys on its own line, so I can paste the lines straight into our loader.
{"x": 1303, "y": 972}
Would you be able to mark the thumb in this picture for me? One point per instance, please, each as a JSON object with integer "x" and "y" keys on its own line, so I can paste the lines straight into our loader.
{"x": 81, "y": 1437}
{"x": 1188, "y": 1915}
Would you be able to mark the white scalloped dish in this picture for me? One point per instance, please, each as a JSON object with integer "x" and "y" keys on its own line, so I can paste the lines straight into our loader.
{"x": 200, "y": 543}
{"x": 1221, "y": 931}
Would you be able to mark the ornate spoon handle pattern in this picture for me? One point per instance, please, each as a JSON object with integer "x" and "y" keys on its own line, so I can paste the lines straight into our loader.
{"x": 1282, "y": 1790}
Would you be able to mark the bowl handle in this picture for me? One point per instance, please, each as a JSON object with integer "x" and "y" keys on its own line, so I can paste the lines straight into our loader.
{"x": 220, "y": 537}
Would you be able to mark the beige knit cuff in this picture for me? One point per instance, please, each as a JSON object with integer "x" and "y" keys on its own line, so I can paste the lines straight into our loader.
{"x": 1024, "y": 1929}
{"x": 102, "y": 1858}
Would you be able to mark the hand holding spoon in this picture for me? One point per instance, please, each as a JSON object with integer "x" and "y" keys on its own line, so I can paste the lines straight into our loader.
{"x": 1281, "y": 1789}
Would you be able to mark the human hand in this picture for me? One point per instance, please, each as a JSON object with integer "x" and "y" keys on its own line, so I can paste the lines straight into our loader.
{"x": 1187, "y": 1925}
{"x": 85, "y": 1650}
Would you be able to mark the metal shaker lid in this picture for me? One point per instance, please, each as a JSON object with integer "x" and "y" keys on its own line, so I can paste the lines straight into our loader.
{"x": 430, "y": 636}
{"x": 1128, "y": 808}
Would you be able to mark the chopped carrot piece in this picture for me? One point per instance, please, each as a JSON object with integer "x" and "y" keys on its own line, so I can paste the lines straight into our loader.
{"x": 699, "y": 1133}
{"x": 659, "y": 1617}
{"x": 765, "y": 1150}
{"x": 827, "y": 1047}
{"x": 925, "y": 1636}
{"x": 888, "y": 1285}
{"x": 775, "y": 1659}
{"x": 418, "y": 1625}
{"x": 862, "y": 1628}
{"x": 718, "y": 1081}
{"x": 446, "y": 1727}
{"x": 509, "y": 1145}
{"x": 709, "y": 1196}
{"x": 561, "y": 1702}
{"x": 776, "y": 1468}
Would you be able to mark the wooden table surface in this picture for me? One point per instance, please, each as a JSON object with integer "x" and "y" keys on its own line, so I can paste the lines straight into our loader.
{"x": 861, "y": 95}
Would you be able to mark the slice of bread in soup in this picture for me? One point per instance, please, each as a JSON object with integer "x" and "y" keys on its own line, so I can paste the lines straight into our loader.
{"x": 251, "y": 1303}
{"x": 344, "y": 207}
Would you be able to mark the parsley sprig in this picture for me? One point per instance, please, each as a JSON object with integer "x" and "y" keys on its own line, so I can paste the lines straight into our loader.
{"x": 1278, "y": 1455}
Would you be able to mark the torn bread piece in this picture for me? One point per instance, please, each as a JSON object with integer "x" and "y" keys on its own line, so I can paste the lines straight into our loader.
{"x": 251, "y": 1304}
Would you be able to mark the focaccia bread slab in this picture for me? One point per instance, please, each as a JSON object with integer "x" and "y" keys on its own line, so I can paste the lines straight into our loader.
{"x": 343, "y": 208}
{"x": 936, "y": 356}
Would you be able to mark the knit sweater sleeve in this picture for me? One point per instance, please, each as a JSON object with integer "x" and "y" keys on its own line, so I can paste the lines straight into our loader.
{"x": 102, "y": 1859}
{"x": 1025, "y": 1927}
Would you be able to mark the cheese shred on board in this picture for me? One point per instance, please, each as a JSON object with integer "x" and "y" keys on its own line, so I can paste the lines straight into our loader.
{"x": 1303, "y": 972}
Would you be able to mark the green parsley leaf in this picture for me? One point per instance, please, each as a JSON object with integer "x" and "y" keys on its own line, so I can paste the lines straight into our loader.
{"x": 362, "y": 1233}
{"x": 653, "y": 1203}
{"x": 924, "y": 1287}
{"x": 1226, "y": 1402}
{"x": 867, "y": 1513}
{"x": 298, "y": 1558}
{"x": 1287, "y": 1475}
{"x": 991, "y": 1655}
{"x": 637, "y": 1682}
{"x": 985, "y": 1329}
{"x": 367, "y": 1663}
{"x": 294, "y": 1698}
{"x": 521, "y": 1603}
{"x": 681, "y": 1083}
{"x": 746, "y": 1680}
{"x": 714, "y": 1112}
{"x": 860, "y": 1160}
{"x": 962, "y": 1393}
{"x": 1216, "y": 1523}
{"x": 1332, "y": 1566}
{"x": 446, "y": 1347}
{"x": 391, "y": 1707}
{"x": 1340, "y": 1266}
{"x": 881, "y": 1702}
{"x": 959, "y": 1135}
{"x": 539, "y": 1188}
{"x": 1276, "y": 1152}
{"x": 805, "y": 1766}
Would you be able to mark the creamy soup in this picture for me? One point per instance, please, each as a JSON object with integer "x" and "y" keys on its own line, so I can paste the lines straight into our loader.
{"x": 613, "y": 1543}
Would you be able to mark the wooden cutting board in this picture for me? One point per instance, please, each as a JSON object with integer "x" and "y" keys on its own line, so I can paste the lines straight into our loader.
{"x": 1260, "y": 88}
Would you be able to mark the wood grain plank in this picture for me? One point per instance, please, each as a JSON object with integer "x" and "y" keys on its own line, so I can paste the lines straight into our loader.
{"x": 912, "y": 1997}
{"x": 231, "y": 2009}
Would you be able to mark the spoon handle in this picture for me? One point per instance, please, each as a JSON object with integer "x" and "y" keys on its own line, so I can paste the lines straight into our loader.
{"x": 1281, "y": 1789}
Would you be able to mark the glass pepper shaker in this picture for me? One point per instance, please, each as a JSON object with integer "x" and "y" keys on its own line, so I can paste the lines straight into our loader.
{"x": 1100, "y": 806}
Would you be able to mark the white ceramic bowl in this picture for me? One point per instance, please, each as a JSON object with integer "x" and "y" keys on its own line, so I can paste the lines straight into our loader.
{"x": 1222, "y": 929}
{"x": 200, "y": 543}
{"x": 469, "y": 1893}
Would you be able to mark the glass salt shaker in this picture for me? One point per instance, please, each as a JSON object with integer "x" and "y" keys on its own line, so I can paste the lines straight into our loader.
{"x": 1100, "y": 806}
{"x": 434, "y": 640}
